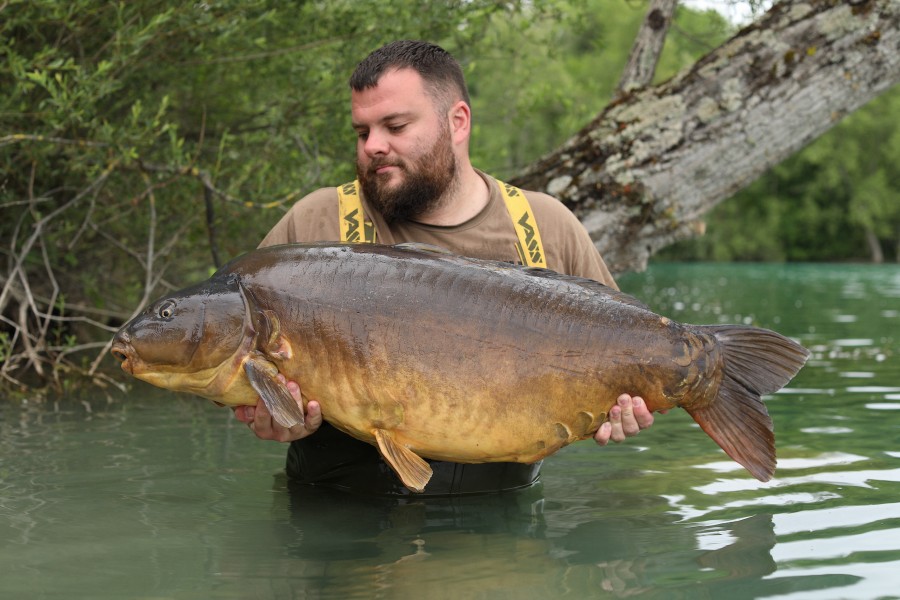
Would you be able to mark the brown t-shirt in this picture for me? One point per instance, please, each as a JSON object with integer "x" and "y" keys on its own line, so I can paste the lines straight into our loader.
{"x": 489, "y": 234}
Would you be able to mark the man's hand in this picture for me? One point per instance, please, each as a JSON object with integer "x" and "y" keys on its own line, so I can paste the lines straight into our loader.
{"x": 265, "y": 427}
{"x": 626, "y": 418}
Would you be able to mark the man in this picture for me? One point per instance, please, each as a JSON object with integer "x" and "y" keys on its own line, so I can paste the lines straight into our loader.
{"x": 410, "y": 110}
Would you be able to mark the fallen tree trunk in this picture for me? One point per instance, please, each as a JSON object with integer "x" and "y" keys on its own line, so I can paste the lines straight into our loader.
{"x": 643, "y": 173}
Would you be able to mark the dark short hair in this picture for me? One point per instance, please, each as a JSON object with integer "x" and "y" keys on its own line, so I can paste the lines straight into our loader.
{"x": 441, "y": 73}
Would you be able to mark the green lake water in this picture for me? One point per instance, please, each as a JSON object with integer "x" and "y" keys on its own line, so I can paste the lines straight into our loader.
{"x": 155, "y": 495}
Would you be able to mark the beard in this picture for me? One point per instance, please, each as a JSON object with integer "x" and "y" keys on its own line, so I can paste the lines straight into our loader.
{"x": 424, "y": 185}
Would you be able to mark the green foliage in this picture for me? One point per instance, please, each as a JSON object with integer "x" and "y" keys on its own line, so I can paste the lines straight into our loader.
{"x": 838, "y": 199}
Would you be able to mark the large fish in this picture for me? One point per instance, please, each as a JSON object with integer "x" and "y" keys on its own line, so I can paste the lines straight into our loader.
{"x": 427, "y": 354}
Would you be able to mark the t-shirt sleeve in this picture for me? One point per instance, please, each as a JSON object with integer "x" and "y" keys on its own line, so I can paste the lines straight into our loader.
{"x": 313, "y": 218}
{"x": 568, "y": 246}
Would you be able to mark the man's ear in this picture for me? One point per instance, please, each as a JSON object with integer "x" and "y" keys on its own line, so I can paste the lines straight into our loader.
{"x": 460, "y": 117}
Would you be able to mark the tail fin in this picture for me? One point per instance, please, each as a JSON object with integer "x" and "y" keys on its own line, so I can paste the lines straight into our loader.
{"x": 756, "y": 362}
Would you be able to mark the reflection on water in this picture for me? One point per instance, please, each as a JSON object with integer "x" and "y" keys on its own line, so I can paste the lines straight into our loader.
{"x": 162, "y": 496}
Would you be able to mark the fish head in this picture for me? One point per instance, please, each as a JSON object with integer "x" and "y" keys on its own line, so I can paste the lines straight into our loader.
{"x": 194, "y": 340}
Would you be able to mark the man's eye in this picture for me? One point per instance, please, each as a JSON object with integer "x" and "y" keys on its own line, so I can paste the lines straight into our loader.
{"x": 396, "y": 128}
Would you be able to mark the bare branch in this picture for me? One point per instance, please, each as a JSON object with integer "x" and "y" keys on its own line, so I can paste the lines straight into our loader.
{"x": 205, "y": 178}
{"x": 38, "y": 226}
{"x": 648, "y": 45}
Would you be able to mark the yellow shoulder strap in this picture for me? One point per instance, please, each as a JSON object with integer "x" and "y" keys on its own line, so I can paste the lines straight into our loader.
{"x": 530, "y": 248}
{"x": 351, "y": 219}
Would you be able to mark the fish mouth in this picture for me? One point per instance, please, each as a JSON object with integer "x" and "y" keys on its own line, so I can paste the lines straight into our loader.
{"x": 123, "y": 352}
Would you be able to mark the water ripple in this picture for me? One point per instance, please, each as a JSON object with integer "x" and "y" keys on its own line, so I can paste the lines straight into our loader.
{"x": 841, "y": 516}
{"x": 870, "y": 581}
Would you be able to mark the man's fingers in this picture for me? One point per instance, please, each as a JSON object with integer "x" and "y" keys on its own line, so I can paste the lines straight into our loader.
{"x": 244, "y": 414}
{"x": 626, "y": 418}
{"x": 602, "y": 435}
{"x": 642, "y": 414}
{"x": 262, "y": 423}
{"x": 629, "y": 425}
{"x": 311, "y": 424}
{"x": 313, "y": 416}
{"x": 616, "y": 434}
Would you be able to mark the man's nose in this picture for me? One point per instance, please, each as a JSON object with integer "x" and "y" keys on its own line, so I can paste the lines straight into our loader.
{"x": 375, "y": 144}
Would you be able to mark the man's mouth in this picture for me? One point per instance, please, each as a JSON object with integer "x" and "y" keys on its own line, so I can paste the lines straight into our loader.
{"x": 384, "y": 168}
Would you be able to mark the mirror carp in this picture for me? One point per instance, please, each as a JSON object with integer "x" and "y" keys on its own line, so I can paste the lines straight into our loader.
{"x": 424, "y": 353}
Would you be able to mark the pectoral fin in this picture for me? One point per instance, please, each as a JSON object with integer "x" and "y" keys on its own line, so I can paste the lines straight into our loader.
{"x": 274, "y": 394}
{"x": 270, "y": 341}
{"x": 412, "y": 469}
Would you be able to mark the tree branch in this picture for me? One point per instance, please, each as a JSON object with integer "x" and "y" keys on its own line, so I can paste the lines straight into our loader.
{"x": 648, "y": 45}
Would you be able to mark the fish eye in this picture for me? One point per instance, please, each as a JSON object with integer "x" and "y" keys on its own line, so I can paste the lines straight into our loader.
{"x": 166, "y": 310}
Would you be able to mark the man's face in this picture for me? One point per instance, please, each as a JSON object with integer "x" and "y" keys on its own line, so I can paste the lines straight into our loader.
{"x": 405, "y": 159}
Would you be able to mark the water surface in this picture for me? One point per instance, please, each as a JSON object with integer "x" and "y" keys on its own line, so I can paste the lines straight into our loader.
{"x": 155, "y": 495}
